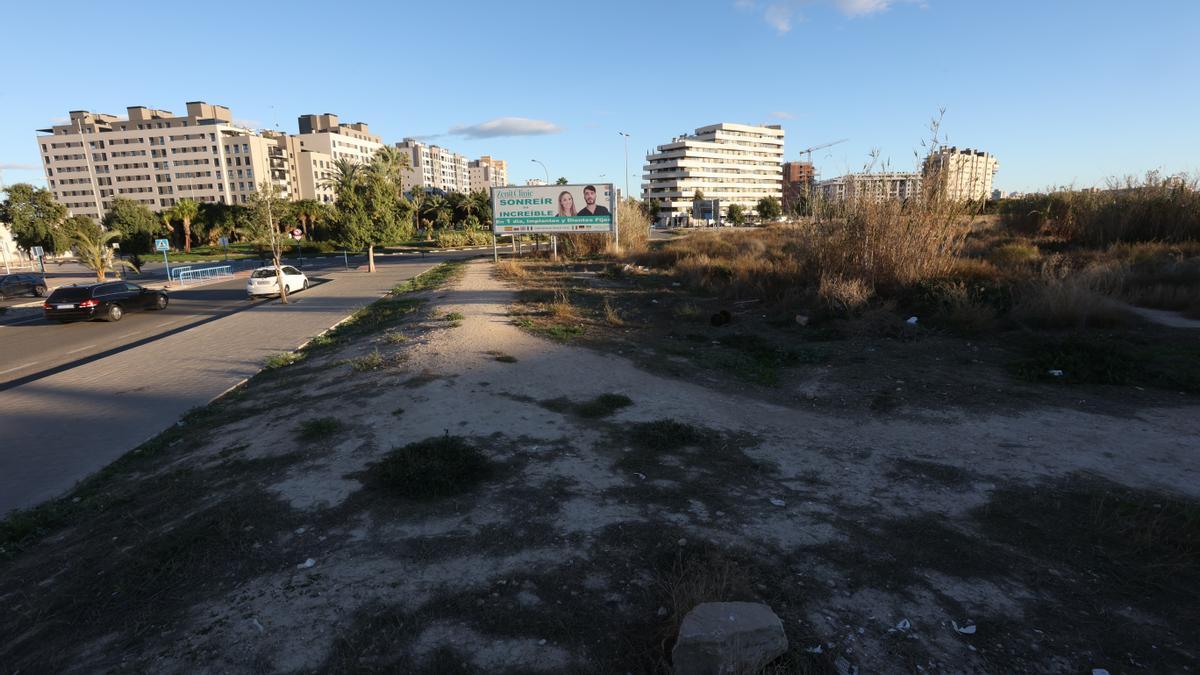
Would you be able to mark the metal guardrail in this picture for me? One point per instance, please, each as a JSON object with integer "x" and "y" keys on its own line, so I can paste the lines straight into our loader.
{"x": 204, "y": 274}
{"x": 177, "y": 271}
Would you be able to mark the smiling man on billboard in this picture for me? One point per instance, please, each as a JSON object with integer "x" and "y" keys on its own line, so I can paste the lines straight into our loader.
{"x": 590, "y": 208}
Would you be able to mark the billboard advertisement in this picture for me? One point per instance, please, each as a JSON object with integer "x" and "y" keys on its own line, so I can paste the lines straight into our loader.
{"x": 541, "y": 209}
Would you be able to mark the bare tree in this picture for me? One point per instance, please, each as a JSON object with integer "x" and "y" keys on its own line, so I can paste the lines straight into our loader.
{"x": 268, "y": 206}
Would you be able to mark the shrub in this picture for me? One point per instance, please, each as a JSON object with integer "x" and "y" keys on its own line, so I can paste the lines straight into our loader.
{"x": 1069, "y": 303}
{"x": 842, "y": 294}
{"x": 512, "y": 270}
{"x": 284, "y": 359}
{"x": 435, "y": 467}
{"x": 455, "y": 238}
{"x": 634, "y": 227}
{"x": 603, "y": 405}
{"x": 364, "y": 364}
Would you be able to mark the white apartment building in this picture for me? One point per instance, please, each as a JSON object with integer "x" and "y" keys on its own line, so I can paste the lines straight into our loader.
{"x": 487, "y": 173}
{"x": 433, "y": 166}
{"x": 732, "y": 163}
{"x": 965, "y": 175}
{"x": 873, "y": 186}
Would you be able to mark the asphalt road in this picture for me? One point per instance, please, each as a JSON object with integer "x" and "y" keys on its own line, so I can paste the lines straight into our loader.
{"x": 75, "y": 397}
{"x": 34, "y": 347}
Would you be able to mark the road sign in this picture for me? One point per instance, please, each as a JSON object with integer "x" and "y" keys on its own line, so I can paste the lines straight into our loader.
{"x": 36, "y": 251}
{"x": 116, "y": 246}
{"x": 163, "y": 245}
{"x": 297, "y": 234}
{"x": 224, "y": 241}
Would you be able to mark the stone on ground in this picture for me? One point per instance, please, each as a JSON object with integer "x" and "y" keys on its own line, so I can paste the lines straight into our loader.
{"x": 717, "y": 638}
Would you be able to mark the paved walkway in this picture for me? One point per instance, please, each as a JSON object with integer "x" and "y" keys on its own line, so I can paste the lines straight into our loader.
{"x": 62, "y": 428}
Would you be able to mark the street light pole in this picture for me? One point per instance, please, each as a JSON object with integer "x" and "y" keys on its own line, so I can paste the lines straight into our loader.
{"x": 626, "y": 162}
{"x": 543, "y": 169}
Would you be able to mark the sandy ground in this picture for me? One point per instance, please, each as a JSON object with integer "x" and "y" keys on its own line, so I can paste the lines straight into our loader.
{"x": 568, "y": 528}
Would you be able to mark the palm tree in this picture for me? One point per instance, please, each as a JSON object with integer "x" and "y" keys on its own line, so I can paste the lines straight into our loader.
{"x": 435, "y": 210}
{"x": 307, "y": 211}
{"x": 483, "y": 206}
{"x": 166, "y": 216}
{"x": 346, "y": 176}
{"x": 393, "y": 163}
{"x": 460, "y": 206}
{"x": 416, "y": 197}
{"x": 93, "y": 245}
{"x": 186, "y": 210}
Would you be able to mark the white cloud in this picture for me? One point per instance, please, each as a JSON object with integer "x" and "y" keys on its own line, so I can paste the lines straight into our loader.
{"x": 779, "y": 16}
{"x": 507, "y": 126}
{"x": 782, "y": 14}
{"x": 8, "y": 166}
{"x": 862, "y": 7}
{"x": 782, "y": 115}
{"x": 248, "y": 124}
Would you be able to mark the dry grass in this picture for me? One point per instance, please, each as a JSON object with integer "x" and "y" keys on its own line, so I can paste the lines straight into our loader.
{"x": 1153, "y": 208}
{"x": 611, "y": 315}
{"x": 1070, "y": 303}
{"x": 634, "y": 230}
{"x": 512, "y": 271}
{"x": 561, "y": 308}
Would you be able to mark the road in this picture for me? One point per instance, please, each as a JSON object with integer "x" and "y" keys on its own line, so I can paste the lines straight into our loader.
{"x": 78, "y": 396}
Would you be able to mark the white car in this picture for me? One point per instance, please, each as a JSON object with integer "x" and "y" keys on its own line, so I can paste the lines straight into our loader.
{"x": 264, "y": 281}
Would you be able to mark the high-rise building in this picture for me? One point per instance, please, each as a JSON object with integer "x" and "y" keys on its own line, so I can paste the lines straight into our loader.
{"x": 435, "y": 167}
{"x": 872, "y": 186}
{"x": 487, "y": 173}
{"x": 963, "y": 175}
{"x": 732, "y": 163}
{"x": 157, "y": 158}
{"x": 798, "y": 179}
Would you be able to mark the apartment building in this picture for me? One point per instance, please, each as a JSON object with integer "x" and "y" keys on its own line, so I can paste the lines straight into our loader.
{"x": 156, "y": 158}
{"x": 732, "y": 163}
{"x": 964, "y": 174}
{"x": 873, "y": 186}
{"x": 323, "y": 140}
{"x": 487, "y": 172}
{"x": 798, "y": 180}
{"x": 435, "y": 167}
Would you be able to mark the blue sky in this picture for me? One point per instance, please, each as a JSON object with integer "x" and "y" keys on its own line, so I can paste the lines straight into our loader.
{"x": 1062, "y": 91}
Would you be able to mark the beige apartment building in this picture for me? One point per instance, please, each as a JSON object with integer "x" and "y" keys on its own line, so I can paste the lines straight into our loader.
{"x": 872, "y": 186}
{"x": 433, "y": 166}
{"x": 158, "y": 158}
{"x": 487, "y": 172}
{"x": 732, "y": 163}
{"x": 322, "y": 141}
{"x": 965, "y": 174}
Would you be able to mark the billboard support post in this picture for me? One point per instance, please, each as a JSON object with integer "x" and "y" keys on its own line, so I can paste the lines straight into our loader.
{"x": 495, "y": 250}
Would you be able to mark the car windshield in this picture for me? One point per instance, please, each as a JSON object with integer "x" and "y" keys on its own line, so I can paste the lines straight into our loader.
{"x": 264, "y": 274}
{"x": 70, "y": 295}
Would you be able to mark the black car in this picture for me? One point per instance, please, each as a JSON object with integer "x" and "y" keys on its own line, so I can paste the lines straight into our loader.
{"x": 107, "y": 301}
{"x": 22, "y": 284}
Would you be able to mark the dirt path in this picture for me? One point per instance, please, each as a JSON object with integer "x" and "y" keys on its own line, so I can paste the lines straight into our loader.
{"x": 596, "y": 532}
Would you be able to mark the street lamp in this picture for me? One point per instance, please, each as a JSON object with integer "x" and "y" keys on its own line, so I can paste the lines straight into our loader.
{"x": 543, "y": 169}
{"x": 622, "y": 133}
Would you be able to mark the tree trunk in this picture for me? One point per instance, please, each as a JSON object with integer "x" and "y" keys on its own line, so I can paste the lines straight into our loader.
{"x": 187, "y": 236}
{"x": 283, "y": 294}
{"x": 371, "y": 258}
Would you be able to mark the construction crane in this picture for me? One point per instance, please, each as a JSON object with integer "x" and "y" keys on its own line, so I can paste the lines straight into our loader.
{"x": 809, "y": 151}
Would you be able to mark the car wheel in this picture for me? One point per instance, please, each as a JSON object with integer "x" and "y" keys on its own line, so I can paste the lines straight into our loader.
{"x": 305, "y": 286}
{"x": 160, "y": 302}
{"x": 114, "y": 313}
{"x": 39, "y": 291}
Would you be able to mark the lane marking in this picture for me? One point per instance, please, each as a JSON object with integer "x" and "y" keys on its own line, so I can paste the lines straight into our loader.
{"x": 31, "y": 363}
{"x": 80, "y": 349}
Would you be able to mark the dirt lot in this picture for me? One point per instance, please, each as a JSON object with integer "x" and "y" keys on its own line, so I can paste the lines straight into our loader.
{"x": 475, "y": 484}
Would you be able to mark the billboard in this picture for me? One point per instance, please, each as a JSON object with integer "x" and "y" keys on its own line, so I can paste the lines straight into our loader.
{"x": 540, "y": 209}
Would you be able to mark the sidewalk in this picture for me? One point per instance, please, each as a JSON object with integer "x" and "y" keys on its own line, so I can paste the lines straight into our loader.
{"x": 116, "y": 403}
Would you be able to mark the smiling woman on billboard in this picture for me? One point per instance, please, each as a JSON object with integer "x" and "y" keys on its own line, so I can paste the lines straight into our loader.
{"x": 566, "y": 204}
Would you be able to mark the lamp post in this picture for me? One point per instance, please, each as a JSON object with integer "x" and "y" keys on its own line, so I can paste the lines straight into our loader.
{"x": 622, "y": 133}
{"x": 543, "y": 169}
